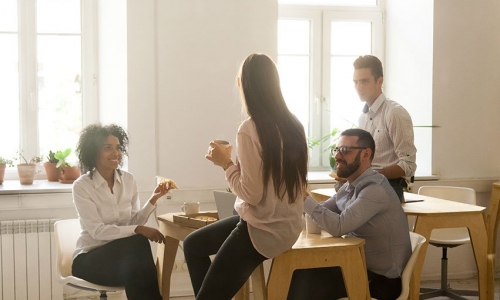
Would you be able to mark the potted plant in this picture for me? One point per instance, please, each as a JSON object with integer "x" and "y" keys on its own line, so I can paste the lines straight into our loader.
{"x": 51, "y": 169}
{"x": 330, "y": 138}
{"x": 69, "y": 172}
{"x": 4, "y": 162}
{"x": 26, "y": 168}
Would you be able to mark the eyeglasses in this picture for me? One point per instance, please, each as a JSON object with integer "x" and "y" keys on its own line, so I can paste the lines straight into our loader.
{"x": 344, "y": 150}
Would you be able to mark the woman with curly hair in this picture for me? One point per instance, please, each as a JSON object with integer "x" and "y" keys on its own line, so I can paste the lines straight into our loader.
{"x": 269, "y": 180}
{"x": 113, "y": 248}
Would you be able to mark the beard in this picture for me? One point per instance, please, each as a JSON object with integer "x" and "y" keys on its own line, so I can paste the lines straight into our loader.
{"x": 348, "y": 169}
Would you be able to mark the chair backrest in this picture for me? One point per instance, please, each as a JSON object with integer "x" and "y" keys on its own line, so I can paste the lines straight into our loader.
{"x": 452, "y": 193}
{"x": 66, "y": 233}
{"x": 416, "y": 243}
{"x": 450, "y": 237}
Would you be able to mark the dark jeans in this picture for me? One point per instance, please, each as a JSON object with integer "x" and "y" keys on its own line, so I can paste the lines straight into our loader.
{"x": 235, "y": 261}
{"x": 328, "y": 284}
{"x": 124, "y": 262}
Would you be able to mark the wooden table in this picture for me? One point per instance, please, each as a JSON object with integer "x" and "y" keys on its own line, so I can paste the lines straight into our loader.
{"x": 435, "y": 213}
{"x": 321, "y": 250}
{"x": 318, "y": 251}
{"x": 165, "y": 257}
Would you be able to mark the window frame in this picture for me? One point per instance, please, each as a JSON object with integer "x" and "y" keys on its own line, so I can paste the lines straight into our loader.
{"x": 320, "y": 18}
{"x": 28, "y": 104}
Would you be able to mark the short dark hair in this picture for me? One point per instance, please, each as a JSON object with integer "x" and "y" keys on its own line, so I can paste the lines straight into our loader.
{"x": 370, "y": 62}
{"x": 365, "y": 139}
{"x": 90, "y": 141}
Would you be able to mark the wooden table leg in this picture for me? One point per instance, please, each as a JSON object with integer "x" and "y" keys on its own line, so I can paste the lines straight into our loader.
{"x": 477, "y": 231}
{"x": 355, "y": 276}
{"x": 166, "y": 259}
{"x": 479, "y": 241}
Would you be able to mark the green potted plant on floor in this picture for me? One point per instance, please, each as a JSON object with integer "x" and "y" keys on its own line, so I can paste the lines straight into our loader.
{"x": 51, "y": 169}
{"x": 69, "y": 172}
{"x": 26, "y": 168}
{"x": 4, "y": 162}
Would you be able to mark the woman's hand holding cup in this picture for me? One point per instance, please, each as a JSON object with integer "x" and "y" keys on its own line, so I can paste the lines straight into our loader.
{"x": 219, "y": 152}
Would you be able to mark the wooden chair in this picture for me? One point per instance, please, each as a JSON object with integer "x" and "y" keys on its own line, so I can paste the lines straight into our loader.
{"x": 66, "y": 234}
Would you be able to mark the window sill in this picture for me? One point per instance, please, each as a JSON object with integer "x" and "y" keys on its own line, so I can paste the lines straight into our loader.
{"x": 316, "y": 177}
{"x": 14, "y": 187}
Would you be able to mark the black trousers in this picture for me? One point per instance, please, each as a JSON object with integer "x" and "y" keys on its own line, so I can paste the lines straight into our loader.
{"x": 234, "y": 262}
{"x": 124, "y": 262}
{"x": 328, "y": 284}
{"x": 398, "y": 185}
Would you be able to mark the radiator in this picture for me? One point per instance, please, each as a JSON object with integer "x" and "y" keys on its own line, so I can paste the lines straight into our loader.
{"x": 28, "y": 261}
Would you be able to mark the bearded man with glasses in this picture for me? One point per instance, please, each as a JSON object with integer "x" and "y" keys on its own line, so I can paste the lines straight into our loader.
{"x": 366, "y": 206}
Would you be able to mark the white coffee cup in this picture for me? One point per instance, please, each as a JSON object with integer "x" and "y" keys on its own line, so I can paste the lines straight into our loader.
{"x": 311, "y": 226}
{"x": 222, "y": 143}
{"x": 190, "y": 208}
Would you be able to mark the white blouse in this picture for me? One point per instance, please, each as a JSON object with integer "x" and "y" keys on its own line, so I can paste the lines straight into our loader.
{"x": 106, "y": 216}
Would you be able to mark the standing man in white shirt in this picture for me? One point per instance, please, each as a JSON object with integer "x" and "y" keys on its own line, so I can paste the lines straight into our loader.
{"x": 388, "y": 122}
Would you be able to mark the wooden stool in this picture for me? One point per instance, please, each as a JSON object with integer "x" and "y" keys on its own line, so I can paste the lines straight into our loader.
{"x": 315, "y": 251}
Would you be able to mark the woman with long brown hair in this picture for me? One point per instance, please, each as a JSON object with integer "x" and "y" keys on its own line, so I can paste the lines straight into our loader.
{"x": 269, "y": 180}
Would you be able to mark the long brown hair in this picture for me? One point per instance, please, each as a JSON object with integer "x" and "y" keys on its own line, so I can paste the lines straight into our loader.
{"x": 281, "y": 135}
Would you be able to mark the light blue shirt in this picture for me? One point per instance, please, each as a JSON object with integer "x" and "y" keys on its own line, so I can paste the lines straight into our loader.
{"x": 368, "y": 208}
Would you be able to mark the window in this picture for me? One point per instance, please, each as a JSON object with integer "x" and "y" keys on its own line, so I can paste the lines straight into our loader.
{"x": 316, "y": 49}
{"x": 46, "y": 73}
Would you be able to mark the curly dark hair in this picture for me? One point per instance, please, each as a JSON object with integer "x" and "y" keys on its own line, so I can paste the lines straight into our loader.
{"x": 90, "y": 141}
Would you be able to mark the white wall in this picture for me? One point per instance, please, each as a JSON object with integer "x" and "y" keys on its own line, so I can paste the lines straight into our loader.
{"x": 466, "y": 89}
{"x": 182, "y": 65}
{"x": 445, "y": 54}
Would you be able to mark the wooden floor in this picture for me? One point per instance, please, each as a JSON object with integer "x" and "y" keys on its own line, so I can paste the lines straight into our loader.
{"x": 458, "y": 284}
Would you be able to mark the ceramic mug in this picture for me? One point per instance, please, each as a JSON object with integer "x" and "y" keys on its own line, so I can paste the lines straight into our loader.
{"x": 190, "y": 208}
{"x": 311, "y": 226}
{"x": 222, "y": 143}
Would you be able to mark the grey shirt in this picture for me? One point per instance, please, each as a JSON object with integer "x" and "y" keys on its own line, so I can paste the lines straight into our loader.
{"x": 368, "y": 208}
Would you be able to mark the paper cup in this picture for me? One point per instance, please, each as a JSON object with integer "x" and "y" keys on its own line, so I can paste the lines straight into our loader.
{"x": 311, "y": 226}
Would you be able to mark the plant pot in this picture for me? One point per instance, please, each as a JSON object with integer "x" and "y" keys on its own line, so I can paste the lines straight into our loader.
{"x": 26, "y": 173}
{"x": 2, "y": 172}
{"x": 53, "y": 173}
{"x": 69, "y": 174}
